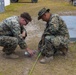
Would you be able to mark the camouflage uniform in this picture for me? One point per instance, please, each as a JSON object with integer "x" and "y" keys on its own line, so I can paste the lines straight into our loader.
{"x": 55, "y": 36}
{"x": 10, "y": 34}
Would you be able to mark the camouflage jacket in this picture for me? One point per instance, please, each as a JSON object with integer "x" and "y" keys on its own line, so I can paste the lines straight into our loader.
{"x": 56, "y": 27}
{"x": 11, "y": 27}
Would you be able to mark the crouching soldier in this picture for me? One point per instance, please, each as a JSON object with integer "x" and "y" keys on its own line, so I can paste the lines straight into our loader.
{"x": 55, "y": 36}
{"x": 13, "y": 33}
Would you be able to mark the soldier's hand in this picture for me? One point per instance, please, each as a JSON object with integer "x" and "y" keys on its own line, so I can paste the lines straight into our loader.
{"x": 23, "y": 34}
{"x": 31, "y": 52}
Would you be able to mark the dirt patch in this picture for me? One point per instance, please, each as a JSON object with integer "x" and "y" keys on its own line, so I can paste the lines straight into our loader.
{"x": 33, "y": 29}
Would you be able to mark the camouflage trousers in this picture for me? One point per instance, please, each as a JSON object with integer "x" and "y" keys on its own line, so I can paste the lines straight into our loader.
{"x": 8, "y": 43}
{"x": 50, "y": 44}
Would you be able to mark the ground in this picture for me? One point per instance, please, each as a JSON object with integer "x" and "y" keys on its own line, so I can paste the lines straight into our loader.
{"x": 21, "y": 66}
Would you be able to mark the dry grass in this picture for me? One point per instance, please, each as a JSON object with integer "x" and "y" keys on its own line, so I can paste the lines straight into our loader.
{"x": 60, "y": 65}
{"x": 33, "y": 8}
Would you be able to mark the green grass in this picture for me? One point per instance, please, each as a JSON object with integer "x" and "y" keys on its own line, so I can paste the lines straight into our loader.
{"x": 1, "y": 73}
{"x": 33, "y": 8}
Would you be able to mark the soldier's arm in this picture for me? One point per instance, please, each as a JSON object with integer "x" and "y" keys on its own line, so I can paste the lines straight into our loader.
{"x": 15, "y": 28}
{"x": 23, "y": 32}
{"x": 53, "y": 25}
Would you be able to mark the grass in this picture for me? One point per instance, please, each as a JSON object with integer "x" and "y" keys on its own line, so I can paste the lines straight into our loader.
{"x": 33, "y": 8}
{"x": 59, "y": 66}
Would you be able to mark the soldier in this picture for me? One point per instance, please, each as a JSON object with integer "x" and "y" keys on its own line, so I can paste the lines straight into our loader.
{"x": 55, "y": 36}
{"x": 13, "y": 33}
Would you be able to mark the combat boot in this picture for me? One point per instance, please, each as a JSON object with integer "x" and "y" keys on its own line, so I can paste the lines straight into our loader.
{"x": 64, "y": 51}
{"x": 46, "y": 59}
{"x": 11, "y": 56}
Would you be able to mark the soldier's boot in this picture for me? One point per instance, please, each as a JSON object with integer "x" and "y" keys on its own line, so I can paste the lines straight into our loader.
{"x": 3, "y": 49}
{"x": 64, "y": 51}
{"x": 46, "y": 59}
{"x": 11, "y": 56}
